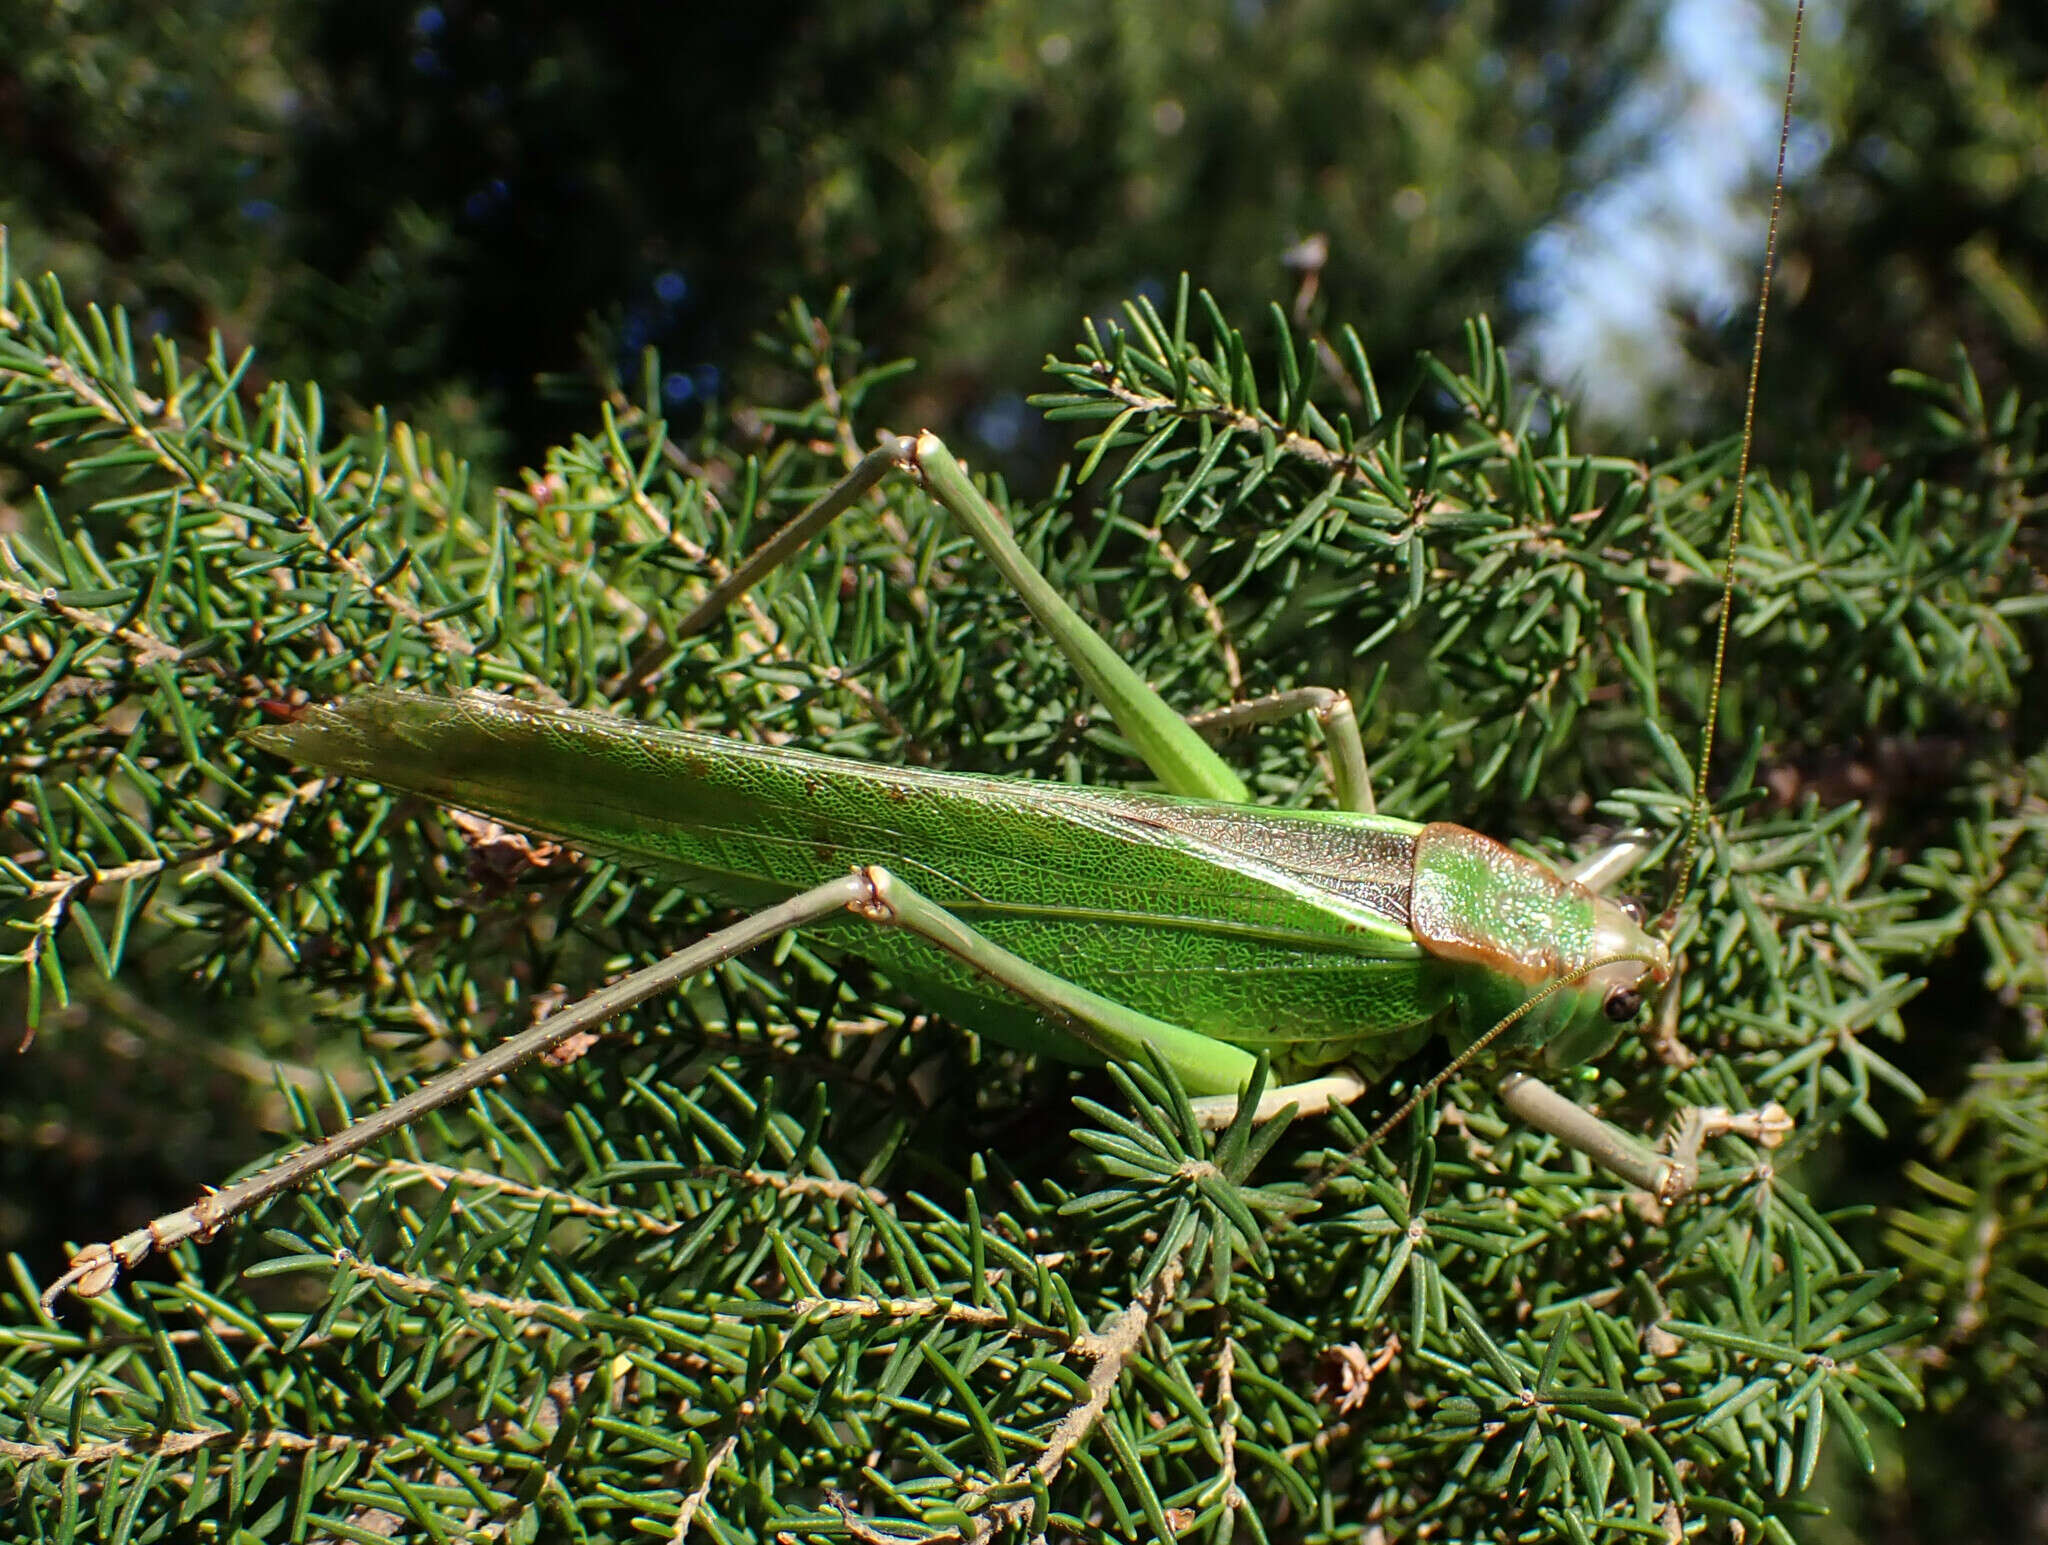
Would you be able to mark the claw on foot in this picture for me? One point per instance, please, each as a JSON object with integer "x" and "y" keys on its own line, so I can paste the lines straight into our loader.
{"x": 1767, "y": 1127}
{"x": 96, "y": 1268}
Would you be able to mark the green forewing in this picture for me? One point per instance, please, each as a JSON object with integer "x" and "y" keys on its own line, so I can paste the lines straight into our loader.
{"x": 1273, "y": 930}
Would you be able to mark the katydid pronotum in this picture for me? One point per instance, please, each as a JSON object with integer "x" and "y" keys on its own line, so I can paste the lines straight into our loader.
{"x": 1086, "y": 924}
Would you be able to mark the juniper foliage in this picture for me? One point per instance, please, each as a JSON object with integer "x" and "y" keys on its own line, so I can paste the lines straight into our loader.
{"x": 780, "y": 1255}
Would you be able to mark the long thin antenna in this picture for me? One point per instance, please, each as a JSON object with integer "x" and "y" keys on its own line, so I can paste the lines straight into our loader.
{"x": 1457, "y": 1064}
{"x": 1696, "y": 819}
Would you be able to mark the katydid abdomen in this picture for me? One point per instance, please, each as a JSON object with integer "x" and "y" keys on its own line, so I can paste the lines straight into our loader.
{"x": 1313, "y": 936}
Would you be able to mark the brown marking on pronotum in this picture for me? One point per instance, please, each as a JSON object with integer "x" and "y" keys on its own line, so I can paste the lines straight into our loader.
{"x": 1440, "y": 927}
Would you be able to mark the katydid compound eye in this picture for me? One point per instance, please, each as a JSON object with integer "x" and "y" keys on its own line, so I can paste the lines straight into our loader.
{"x": 1637, "y": 913}
{"x": 1622, "y": 1005}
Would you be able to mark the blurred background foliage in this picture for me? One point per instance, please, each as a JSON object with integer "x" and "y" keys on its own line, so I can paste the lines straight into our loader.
{"x": 448, "y": 208}
{"x": 472, "y": 213}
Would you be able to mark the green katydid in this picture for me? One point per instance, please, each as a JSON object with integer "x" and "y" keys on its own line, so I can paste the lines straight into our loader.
{"x": 1086, "y": 924}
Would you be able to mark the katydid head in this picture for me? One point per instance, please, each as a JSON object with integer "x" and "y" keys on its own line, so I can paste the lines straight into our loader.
{"x": 1554, "y": 971}
{"x": 1593, "y": 1011}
